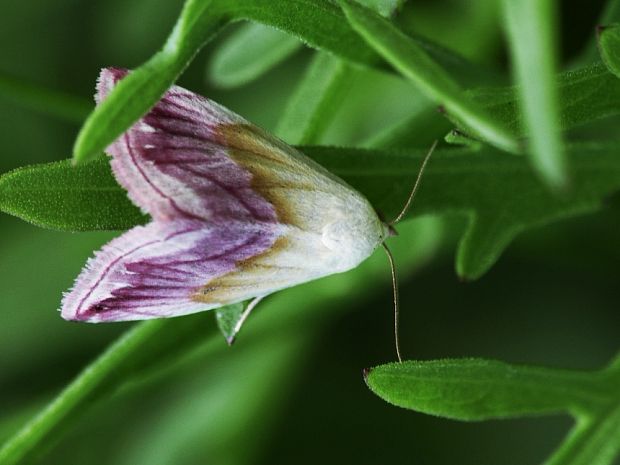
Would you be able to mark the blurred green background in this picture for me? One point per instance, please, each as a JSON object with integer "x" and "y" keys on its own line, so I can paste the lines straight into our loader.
{"x": 292, "y": 392}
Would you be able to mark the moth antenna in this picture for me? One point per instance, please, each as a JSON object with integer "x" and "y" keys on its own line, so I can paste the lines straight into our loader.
{"x": 244, "y": 316}
{"x": 396, "y": 304}
{"x": 405, "y": 209}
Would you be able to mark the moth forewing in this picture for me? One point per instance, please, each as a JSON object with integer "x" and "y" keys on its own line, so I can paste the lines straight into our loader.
{"x": 261, "y": 216}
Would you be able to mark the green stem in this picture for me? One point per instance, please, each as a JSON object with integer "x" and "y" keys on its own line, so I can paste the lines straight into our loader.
{"x": 593, "y": 441}
{"x": 144, "y": 346}
{"x": 78, "y": 392}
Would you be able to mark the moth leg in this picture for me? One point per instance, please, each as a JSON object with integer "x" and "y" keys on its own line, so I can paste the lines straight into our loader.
{"x": 244, "y": 316}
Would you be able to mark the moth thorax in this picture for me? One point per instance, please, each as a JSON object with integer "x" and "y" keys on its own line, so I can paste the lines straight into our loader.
{"x": 351, "y": 237}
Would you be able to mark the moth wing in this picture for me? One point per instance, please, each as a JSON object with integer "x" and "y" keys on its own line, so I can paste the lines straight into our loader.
{"x": 159, "y": 270}
{"x": 189, "y": 157}
{"x": 173, "y": 165}
{"x": 211, "y": 181}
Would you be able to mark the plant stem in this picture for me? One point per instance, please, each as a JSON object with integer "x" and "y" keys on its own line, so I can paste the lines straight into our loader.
{"x": 145, "y": 345}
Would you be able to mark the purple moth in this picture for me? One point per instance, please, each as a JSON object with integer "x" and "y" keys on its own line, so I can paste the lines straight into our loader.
{"x": 236, "y": 214}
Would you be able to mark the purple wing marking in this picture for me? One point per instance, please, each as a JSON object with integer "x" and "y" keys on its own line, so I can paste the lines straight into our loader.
{"x": 156, "y": 270}
{"x": 173, "y": 166}
{"x": 206, "y": 216}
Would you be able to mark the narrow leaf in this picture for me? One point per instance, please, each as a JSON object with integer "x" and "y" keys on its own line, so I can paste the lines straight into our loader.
{"x": 531, "y": 32}
{"x": 498, "y": 194}
{"x": 609, "y": 46}
{"x": 414, "y": 63}
{"x": 228, "y": 318}
{"x": 385, "y": 8}
{"x": 586, "y": 94}
{"x": 140, "y": 90}
{"x": 59, "y": 196}
{"x": 311, "y": 107}
{"x": 318, "y": 23}
{"x": 249, "y": 53}
{"x": 475, "y": 389}
{"x": 421, "y": 129}
{"x": 593, "y": 441}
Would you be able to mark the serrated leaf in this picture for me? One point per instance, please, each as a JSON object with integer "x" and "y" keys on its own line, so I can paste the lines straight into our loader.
{"x": 498, "y": 194}
{"x": 413, "y": 62}
{"x": 318, "y": 23}
{"x": 609, "y": 46}
{"x": 476, "y": 389}
{"x": 249, "y": 53}
{"x": 60, "y": 196}
{"x": 531, "y": 29}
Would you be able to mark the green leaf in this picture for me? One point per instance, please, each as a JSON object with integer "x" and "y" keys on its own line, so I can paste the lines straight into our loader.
{"x": 475, "y": 389}
{"x": 456, "y": 137}
{"x": 609, "y": 46}
{"x": 44, "y": 100}
{"x": 431, "y": 79}
{"x": 230, "y": 318}
{"x": 59, "y": 196}
{"x": 311, "y": 108}
{"x": 136, "y": 93}
{"x": 531, "y": 30}
{"x": 318, "y": 23}
{"x": 249, "y": 53}
{"x": 498, "y": 194}
{"x": 586, "y": 94}
{"x": 421, "y": 129}
{"x": 227, "y": 319}
{"x": 594, "y": 441}
{"x": 385, "y": 8}
{"x": 609, "y": 15}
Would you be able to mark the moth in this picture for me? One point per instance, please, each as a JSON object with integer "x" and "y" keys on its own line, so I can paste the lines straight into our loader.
{"x": 236, "y": 214}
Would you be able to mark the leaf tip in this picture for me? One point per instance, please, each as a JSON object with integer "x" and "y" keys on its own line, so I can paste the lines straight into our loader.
{"x": 81, "y": 154}
{"x": 555, "y": 174}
